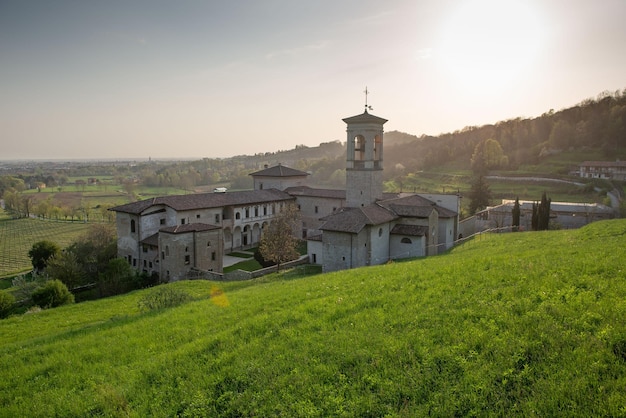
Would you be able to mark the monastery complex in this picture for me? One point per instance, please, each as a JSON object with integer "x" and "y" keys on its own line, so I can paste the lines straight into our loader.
{"x": 171, "y": 236}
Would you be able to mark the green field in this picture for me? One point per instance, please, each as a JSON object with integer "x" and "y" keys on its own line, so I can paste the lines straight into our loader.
{"x": 527, "y": 324}
{"x": 17, "y": 236}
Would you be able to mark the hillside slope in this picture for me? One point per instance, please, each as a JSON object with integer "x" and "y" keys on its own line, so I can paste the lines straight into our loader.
{"x": 528, "y": 324}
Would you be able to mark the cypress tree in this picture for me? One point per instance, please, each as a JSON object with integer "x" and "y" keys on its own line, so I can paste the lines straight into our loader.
{"x": 534, "y": 222}
{"x": 516, "y": 215}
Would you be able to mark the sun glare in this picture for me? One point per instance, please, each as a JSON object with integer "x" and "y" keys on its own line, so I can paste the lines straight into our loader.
{"x": 489, "y": 44}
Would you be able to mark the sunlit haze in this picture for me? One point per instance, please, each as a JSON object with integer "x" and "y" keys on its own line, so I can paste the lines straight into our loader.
{"x": 194, "y": 79}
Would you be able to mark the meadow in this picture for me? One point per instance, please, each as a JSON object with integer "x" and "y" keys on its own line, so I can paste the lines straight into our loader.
{"x": 524, "y": 324}
{"x": 17, "y": 237}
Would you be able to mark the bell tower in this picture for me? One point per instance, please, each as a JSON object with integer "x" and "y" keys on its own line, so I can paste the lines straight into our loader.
{"x": 364, "y": 158}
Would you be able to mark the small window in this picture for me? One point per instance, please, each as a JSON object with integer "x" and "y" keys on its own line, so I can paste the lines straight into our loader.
{"x": 314, "y": 258}
{"x": 317, "y": 209}
{"x": 162, "y": 221}
{"x": 256, "y": 211}
{"x": 132, "y": 226}
{"x": 264, "y": 210}
{"x": 406, "y": 241}
{"x": 187, "y": 259}
{"x": 182, "y": 221}
{"x": 186, "y": 249}
{"x": 217, "y": 218}
{"x": 134, "y": 262}
{"x": 247, "y": 212}
{"x": 237, "y": 215}
{"x": 380, "y": 232}
{"x": 130, "y": 259}
{"x": 198, "y": 216}
{"x": 213, "y": 256}
{"x": 208, "y": 244}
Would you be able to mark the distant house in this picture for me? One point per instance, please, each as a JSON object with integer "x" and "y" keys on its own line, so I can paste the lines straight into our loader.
{"x": 566, "y": 215}
{"x": 611, "y": 170}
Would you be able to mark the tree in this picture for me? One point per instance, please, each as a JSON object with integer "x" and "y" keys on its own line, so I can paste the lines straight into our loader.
{"x": 41, "y": 252}
{"x": 118, "y": 277}
{"x": 52, "y": 294}
{"x": 479, "y": 194}
{"x": 488, "y": 154}
{"x": 278, "y": 241}
{"x": 515, "y": 214}
{"x": 7, "y": 300}
{"x": 95, "y": 248}
{"x": 66, "y": 268}
{"x": 543, "y": 213}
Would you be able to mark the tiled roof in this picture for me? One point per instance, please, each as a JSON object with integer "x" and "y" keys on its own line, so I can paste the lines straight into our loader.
{"x": 152, "y": 240}
{"x": 280, "y": 171}
{"x": 353, "y": 220}
{"x": 364, "y": 118}
{"x": 416, "y": 206}
{"x": 194, "y": 227}
{"x": 311, "y": 192}
{"x": 410, "y": 230}
{"x": 206, "y": 200}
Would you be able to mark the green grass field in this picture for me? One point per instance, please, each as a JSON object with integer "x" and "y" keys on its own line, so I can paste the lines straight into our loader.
{"x": 527, "y": 324}
{"x": 17, "y": 237}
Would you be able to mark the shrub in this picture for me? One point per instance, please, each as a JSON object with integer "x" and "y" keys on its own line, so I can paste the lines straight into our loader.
{"x": 7, "y": 301}
{"x": 52, "y": 294}
{"x": 163, "y": 297}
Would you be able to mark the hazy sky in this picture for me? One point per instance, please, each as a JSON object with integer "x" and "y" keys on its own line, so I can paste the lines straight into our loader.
{"x": 193, "y": 79}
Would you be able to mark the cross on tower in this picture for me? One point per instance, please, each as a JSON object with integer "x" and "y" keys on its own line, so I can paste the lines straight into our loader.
{"x": 366, "y": 106}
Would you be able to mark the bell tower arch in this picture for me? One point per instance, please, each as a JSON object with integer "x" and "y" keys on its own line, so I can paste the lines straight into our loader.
{"x": 364, "y": 159}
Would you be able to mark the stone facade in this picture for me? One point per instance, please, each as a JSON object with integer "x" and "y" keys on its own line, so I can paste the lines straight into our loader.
{"x": 175, "y": 236}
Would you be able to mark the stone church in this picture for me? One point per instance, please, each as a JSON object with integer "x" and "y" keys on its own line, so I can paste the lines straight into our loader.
{"x": 361, "y": 226}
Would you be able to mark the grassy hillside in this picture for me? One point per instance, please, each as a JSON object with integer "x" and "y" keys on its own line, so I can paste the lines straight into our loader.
{"x": 528, "y": 324}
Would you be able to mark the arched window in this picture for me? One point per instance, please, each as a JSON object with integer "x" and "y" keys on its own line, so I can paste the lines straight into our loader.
{"x": 237, "y": 215}
{"x": 380, "y": 232}
{"x": 132, "y": 226}
{"x": 406, "y": 241}
{"x": 359, "y": 148}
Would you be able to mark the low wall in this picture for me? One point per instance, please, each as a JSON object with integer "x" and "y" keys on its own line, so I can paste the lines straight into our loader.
{"x": 240, "y": 275}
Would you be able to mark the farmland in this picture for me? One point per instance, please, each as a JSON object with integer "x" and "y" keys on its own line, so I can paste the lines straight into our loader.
{"x": 17, "y": 236}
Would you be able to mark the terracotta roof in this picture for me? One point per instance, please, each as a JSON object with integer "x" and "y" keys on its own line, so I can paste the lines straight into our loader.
{"x": 353, "y": 220}
{"x": 194, "y": 227}
{"x": 410, "y": 230}
{"x": 152, "y": 240}
{"x": 416, "y": 206}
{"x": 364, "y": 118}
{"x": 206, "y": 200}
{"x": 280, "y": 171}
{"x": 311, "y": 192}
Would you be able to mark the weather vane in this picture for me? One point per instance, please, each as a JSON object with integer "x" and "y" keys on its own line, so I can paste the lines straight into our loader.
{"x": 366, "y": 106}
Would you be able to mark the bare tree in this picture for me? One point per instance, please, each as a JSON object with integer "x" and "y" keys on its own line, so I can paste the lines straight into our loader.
{"x": 279, "y": 242}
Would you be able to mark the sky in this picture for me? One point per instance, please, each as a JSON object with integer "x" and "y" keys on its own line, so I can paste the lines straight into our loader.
{"x": 194, "y": 79}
